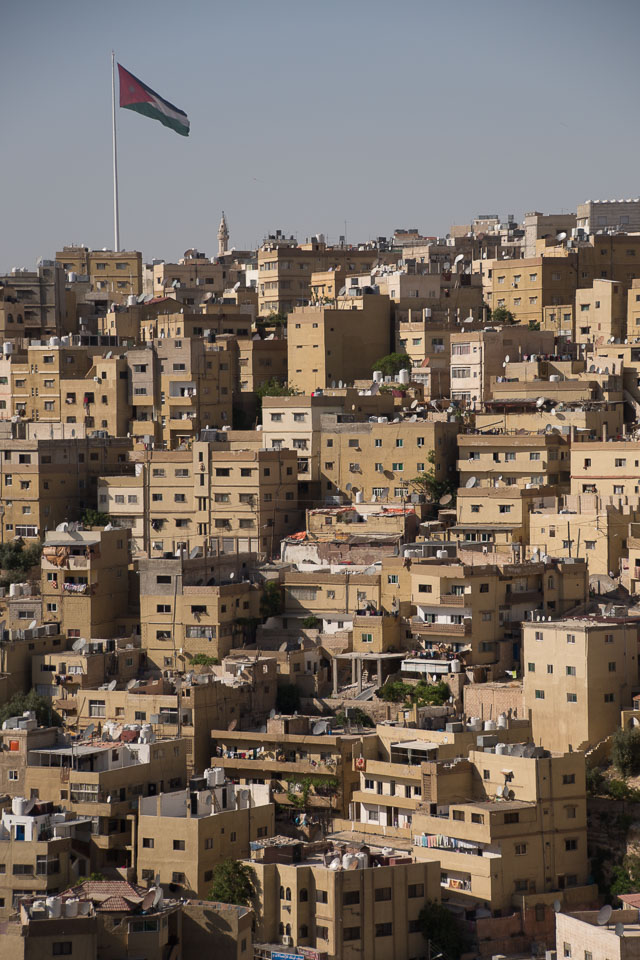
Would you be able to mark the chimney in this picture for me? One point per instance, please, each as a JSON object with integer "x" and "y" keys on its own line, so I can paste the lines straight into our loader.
{"x": 604, "y": 431}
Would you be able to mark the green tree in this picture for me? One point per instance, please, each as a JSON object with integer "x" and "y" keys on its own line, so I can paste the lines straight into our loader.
{"x": 502, "y": 315}
{"x": 287, "y": 698}
{"x": 444, "y": 932}
{"x": 356, "y": 715}
{"x": 392, "y": 364}
{"x": 271, "y": 600}
{"x": 20, "y": 702}
{"x": 625, "y": 878}
{"x": 94, "y": 518}
{"x": 233, "y": 882}
{"x": 203, "y": 660}
{"x": 18, "y": 558}
{"x": 429, "y": 485}
{"x": 311, "y": 622}
{"x": 625, "y": 751}
{"x": 272, "y": 388}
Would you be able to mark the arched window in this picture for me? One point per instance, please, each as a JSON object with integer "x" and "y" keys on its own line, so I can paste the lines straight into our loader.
{"x": 288, "y": 894}
{"x": 9, "y": 318}
{"x": 281, "y": 929}
{"x": 288, "y": 929}
{"x": 304, "y": 931}
{"x": 304, "y": 896}
{"x": 282, "y": 893}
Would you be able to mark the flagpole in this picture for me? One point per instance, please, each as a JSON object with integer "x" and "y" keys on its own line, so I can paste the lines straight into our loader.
{"x": 116, "y": 213}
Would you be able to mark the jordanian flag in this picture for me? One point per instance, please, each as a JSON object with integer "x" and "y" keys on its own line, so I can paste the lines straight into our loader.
{"x": 136, "y": 95}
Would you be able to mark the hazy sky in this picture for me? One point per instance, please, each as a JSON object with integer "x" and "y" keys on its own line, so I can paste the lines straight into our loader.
{"x": 410, "y": 113}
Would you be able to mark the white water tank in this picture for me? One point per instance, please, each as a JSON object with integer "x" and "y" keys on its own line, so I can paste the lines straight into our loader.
{"x": 503, "y": 723}
{"x": 131, "y": 300}
{"x": 441, "y": 554}
{"x": 71, "y": 907}
{"x": 377, "y": 376}
{"x": 490, "y": 725}
{"x": 403, "y": 376}
{"x": 383, "y": 419}
{"x": 72, "y": 277}
{"x": 363, "y": 860}
{"x": 501, "y": 749}
{"x": 18, "y": 806}
{"x": 7, "y": 348}
{"x": 474, "y": 724}
{"x": 54, "y": 907}
{"x": 359, "y": 496}
{"x": 335, "y": 864}
{"x": 215, "y": 776}
{"x": 85, "y": 908}
{"x": 14, "y": 590}
{"x": 456, "y": 666}
{"x": 348, "y": 860}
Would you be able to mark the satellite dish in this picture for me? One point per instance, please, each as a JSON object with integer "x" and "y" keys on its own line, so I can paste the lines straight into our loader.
{"x": 540, "y": 402}
{"x": 33, "y": 624}
{"x": 283, "y": 646}
{"x": 89, "y": 730}
{"x": 561, "y": 236}
{"x": 232, "y": 725}
{"x": 231, "y": 575}
{"x": 131, "y": 684}
{"x": 148, "y": 899}
{"x": 505, "y": 792}
{"x": 414, "y": 404}
{"x": 349, "y": 486}
{"x": 507, "y": 358}
{"x": 272, "y": 714}
{"x": 619, "y": 929}
{"x": 604, "y": 915}
{"x": 157, "y": 897}
{"x": 78, "y": 645}
{"x": 471, "y": 482}
{"x": 458, "y": 259}
{"x": 447, "y": 498}
{"x": 112, "y": 685}
{"x": 557, "y": 907}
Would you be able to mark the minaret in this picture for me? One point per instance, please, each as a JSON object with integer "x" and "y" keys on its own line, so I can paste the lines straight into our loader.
{"x": 223, "y": 237}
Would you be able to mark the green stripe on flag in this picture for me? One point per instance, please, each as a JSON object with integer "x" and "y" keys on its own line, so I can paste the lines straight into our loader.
{"x": 150, "y": 110}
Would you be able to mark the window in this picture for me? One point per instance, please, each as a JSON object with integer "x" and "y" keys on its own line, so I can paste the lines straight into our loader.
{"x": 322, "y": 933}
{"x": 505, "y": 508}
{"x": 477, "y": 818}
{"x": 569, "y": 778}
{"x": 531, "y": 667}
{"x": 321, "y": 896}
{"x": 382, "y": 893}
{"x": 549, "y": 668}
{"x": 608, "y": 638}
{"x": 539, "y": 694}
{"x": 177, "y": 877}
{"x": 609, "y": 697}
{"x": 571, "y": 844}
{"x": 415, "y": 890}
{"x": 397, "y": 467}
{"x": 97, "y": 708}
{"x": 566, "y": 951}
{"x": 148, "y": 842}
{"x": 612, "y": 666}
{"x": 458, "y": 814}
{"x": 350, "y": 897}
{"x": 384, "y": 929}
{"x": 571, "y": 671}
{"x": 571, "y": 638}
{"x": 520, "y": 849}
{"x": 61, "y": 948}
{"x": 351, "y": 933}
{"x": 572, "y": 698}
{"x": 512, "y": 817}
{"x": 178, "y": 845}
{"x": 163, "y": 608}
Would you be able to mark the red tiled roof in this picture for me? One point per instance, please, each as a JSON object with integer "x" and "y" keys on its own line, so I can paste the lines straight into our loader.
{"x": 103, "y": 890}
{"x": 631, "y": 899}
{"x": 117, "y": 905}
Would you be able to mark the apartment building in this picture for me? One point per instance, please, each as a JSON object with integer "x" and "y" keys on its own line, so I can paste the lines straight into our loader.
{"x": 177, "y": 387}
{"x": 195, "y": 614}
{"x": 297, "y": 424}
{"x": 46, "y": 482}
{"x": 560, "y": 319}
{"x": 333, "y": 598}
{"x": 117, "y": 275}
{"x": 96, "y": 778}
{"x": 585, "y": 526}
{"x": 245, "y": 498}
{"x": 507, "y": 825}
{"x": 545, "y": 226}
{"x": 42, "y": 851}
{"x": 478, "y": 356}
{"x": 340, "y": 899}
{"x": 308, "y": 768}
{"x": 378, "y": 461}
{"x": 39, "y": 301}
{"x": 525, "y": 286}
{"x": 601, "y": 312}
{"x": 476, "y": 612}
{"x": 499, "y": 518}
{"x": 182, "y": 835}
{"x": 197, "y": 273}
{"x": 259, "y": 361}
{"x": 492, "y": 460}
{"x": 328, "y": 346}
{"x": 85, "y": 584}
{"x": 587, "y": 669}
{"x": 608, "y": 468}
{"x": 617, "y": 215}
{"x": 64, "y": 676}
{"x": 285, "y": 269}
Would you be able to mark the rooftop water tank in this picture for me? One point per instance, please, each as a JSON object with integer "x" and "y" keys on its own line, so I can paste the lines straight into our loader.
{"x": 403, "y": 376}
{"x": 54, "y": 907}
{"x": 71, "y": 907}
{"x": 18, "y": 806}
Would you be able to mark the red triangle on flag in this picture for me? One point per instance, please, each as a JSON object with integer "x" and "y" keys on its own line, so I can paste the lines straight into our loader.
{"x": 132, "y": 90}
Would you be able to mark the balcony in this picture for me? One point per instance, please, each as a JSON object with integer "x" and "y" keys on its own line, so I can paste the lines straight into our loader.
{"x": 453, "y": 599}
{"x": 422, "y": 628}
{"x": 523, "y": 596}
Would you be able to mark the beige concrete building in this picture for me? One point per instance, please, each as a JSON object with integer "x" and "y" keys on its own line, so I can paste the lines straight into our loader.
{"x": 478, "y": 356}
{"x": 331, "y": 346}
{"x": 342, "y": 911}
{"x": 605, "y": 215}
{"x": 46, "y": 482}
{"x": 85, "y": 584}
{"x": 548, "y": 227}
{"x": 38, "y": 301}
{"x": 492, "y": 460}
{"x": 505, "y": 827}
{"x": 379, "y": 460}
{"x": 601, "y": 313}
{"x": 116, "y": 275}
{"x": 183, "y": 835}
{"x": 580, "y": 933}
{"x": 586, "y": 668}
{"x": 526, "y": 286}
{"x": 608, "y": 468}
